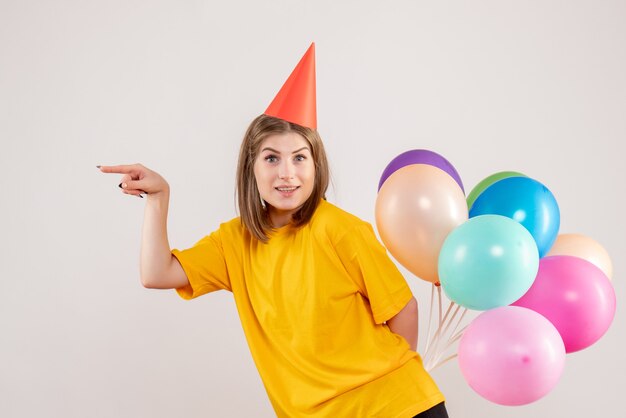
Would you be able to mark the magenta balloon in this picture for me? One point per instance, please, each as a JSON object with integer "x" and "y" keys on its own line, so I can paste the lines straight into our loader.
{"x": 420, "y": 156}
{"x": 576, "y": 296}
{"x": 511, "y": 355}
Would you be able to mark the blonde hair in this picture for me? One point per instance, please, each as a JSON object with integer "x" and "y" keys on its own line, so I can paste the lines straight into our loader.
{"x": 253, "y": 215}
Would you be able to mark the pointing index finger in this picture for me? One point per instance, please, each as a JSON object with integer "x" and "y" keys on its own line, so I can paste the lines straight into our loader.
{"x": 121, "y": 169}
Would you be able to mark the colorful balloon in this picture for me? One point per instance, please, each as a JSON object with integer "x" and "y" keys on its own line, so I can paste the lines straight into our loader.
{"x": 420, "y": 156}
{"x": 485, "y": 183}
{"x": 511, "y": 355}
{"x": 583, "y": 247}
{"x": 576, "y": 296}
{"x": 487, "y": 262}
{"x": 416, "y": 209}
{"x": 526, "y": 201}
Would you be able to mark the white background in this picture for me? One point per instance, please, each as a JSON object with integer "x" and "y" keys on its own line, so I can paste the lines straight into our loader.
{"x": 530, "y": 86}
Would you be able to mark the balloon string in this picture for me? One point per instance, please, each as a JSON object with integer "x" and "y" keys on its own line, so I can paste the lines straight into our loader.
{"x": 438, "y": 332}
{"x": 435, "y": 347}
{"x": 456, "y": 311}
{"x": 451, "y": 341}
{"x": 440, "y": 304}
{"x": 447, "y": 359}
{"x": 449, "y": 344}
{"x": 459, "y": 334}
{"x": 453, "y": 338}
{"x": 445, "y": 324}
{"x": 440, "y": 354}
{"x": 430, "y": 354}
{"x": 430, "y": 317}
{"x": 436, "y": 352}
{"x": 459, "y": 321}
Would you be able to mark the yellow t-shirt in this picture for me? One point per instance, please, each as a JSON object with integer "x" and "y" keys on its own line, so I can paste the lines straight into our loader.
{"x": 313, "y": 302}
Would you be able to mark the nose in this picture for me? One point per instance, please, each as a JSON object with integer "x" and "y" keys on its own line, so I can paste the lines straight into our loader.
{"x": 286, "y": 170}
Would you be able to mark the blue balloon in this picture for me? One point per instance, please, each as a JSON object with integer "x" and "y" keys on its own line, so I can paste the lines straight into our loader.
{"x": 487, "y": 262}
{"x": 526, "y": 201}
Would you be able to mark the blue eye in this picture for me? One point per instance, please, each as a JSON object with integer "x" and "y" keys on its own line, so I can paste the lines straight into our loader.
{"x": 271, "y": 159}
{"x": 300, "y": 157}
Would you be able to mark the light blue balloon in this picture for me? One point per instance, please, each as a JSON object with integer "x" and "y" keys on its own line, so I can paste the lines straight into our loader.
{"x": 487, "y": 262}
{"x": 526, "y": 201}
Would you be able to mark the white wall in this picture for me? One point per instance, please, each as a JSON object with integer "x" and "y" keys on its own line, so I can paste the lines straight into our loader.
{"x": 533, "y": 86}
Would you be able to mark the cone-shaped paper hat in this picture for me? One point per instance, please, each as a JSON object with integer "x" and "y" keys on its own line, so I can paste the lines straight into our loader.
{"x": 296, "y": 102}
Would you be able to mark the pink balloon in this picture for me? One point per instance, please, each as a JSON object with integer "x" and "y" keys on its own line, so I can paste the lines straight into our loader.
{"x": 511, "y": 355}
{"x": 576, "y": 296}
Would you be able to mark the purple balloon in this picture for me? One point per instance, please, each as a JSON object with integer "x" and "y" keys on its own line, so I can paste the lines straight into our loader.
{"x": 420, "y": 156}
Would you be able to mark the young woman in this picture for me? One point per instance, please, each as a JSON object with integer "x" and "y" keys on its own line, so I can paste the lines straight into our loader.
{"x": 330, "y": 321}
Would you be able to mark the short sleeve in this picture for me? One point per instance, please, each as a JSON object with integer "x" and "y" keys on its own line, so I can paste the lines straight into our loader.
{"x": 205, "y": 267}
{"x": 377, "y": 277}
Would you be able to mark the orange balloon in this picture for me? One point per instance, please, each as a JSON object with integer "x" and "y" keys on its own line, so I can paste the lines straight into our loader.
{"x": 582, "y": 246}
{"x": 416, "y": 208}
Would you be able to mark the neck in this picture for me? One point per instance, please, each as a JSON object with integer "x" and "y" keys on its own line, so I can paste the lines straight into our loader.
{"x": 280, "y": 218}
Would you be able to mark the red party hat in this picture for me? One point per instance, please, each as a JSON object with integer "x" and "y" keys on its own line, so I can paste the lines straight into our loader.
{"x": 296, "y": 101}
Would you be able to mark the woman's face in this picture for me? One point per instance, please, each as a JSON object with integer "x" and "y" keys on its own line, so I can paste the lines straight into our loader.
{"x": 285, "y": 175}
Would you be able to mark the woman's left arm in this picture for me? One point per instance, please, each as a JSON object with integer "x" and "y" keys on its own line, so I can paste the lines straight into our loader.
{"x": 405, "y": 323}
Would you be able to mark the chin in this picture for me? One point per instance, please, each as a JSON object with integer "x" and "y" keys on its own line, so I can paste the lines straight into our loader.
{"x": 286, "y": 208}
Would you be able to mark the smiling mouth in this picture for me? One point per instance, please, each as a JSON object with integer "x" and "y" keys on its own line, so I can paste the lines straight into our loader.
{"x": 286, "y": 189}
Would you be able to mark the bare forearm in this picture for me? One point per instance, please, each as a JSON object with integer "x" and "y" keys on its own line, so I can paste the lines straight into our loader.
{"x": 155, "y": 249}
{"x": 405, "y": 323}
{"x": 157, "y": 267}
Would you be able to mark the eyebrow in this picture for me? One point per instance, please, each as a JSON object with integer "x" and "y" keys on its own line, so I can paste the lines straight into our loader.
{"x": 278, "y": 152}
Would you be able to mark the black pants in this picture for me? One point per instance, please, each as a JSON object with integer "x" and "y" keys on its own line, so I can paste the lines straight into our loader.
{"x": 437, "y": 411}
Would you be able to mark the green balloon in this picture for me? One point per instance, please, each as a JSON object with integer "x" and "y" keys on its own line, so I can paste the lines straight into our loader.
{"x": 480, "y": 187}
{"x": 487, "y": 262}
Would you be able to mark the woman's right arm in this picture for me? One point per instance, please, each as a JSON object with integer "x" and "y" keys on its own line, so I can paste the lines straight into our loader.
{"x": 159, "y": 269}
